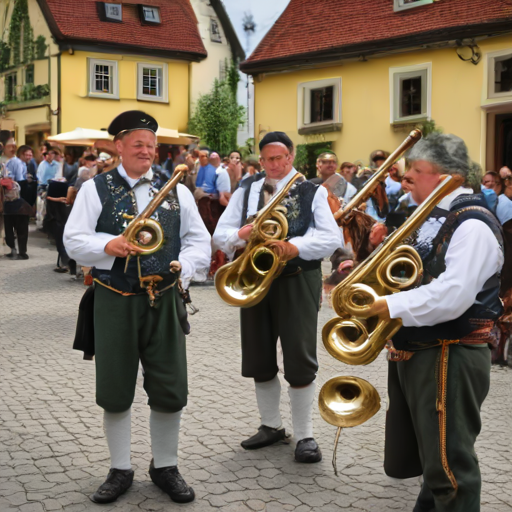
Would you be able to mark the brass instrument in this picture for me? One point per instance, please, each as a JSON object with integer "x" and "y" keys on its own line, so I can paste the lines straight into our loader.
{"x": 245, "y": 281}
{"x": 147, "y": 233}
{"x": 380, "y": 175}
{"x": 353, "y": 338}
{"x": 347, "y": 402}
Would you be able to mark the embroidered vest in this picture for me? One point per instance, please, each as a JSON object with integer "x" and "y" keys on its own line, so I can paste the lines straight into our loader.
{"x": 118, "y": 198}
{"x": 432, "y": 242}
{"x": 299, "y": 214}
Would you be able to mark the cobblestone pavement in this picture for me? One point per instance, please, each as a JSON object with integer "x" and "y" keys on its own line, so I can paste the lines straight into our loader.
{"x": 53, "y": 452}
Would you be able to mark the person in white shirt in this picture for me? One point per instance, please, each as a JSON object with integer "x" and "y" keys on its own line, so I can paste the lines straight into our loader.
{"x": 312, "y": 235}
{"x": 439, "y": 372}
{"x": 138, "y": 311}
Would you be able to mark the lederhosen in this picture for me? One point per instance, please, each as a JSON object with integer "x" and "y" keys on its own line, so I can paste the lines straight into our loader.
{"x": 438, "y": 379}
{"x": 290, "y": 309}
{"x": 127, "y": 326}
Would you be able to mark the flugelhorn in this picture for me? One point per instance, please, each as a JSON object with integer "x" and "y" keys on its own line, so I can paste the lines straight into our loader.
{"x": 245, "y": 281}
{"x": 353, "y": 337}
{"x": 380, "y": 175}
{"x": 146, "y": 233}
{"x": 347, "y": 402}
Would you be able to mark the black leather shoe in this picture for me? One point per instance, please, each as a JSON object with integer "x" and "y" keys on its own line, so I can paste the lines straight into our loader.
{"x": 308, "y": 451}
{"x": 171, "y": 482}
{"x": 118, "y": 482}
{"x": 22, "y": 257}
{"x": 264, "y": 437}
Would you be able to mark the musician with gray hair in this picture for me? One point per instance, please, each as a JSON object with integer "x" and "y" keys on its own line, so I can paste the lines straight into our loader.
{"x": 440, "y": 359}
{"x": 138, "y": 311}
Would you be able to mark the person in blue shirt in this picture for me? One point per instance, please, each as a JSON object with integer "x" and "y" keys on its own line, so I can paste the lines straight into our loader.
{"x": 49, "y": 168}
{"x": 206, "y": 177}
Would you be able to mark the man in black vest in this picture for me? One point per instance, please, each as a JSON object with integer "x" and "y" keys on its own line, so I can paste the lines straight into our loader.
{"x": 137, "y": 306}
{"x": 440, "y": 360}
{"x": 290, "y": 309}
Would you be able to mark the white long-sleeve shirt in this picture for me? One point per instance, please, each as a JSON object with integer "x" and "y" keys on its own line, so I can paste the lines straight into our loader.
{"x": 87, "y": 246}
{"x": 473, "y": 256}
{"x": 320, "y": 240}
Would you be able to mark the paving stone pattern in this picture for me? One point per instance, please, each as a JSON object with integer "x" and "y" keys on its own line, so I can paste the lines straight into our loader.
{"x": 53, "y": 453}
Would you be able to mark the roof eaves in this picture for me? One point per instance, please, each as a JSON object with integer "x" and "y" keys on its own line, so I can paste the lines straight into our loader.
{"x": 253, "y": 67}
{"x": 229, "y": 30}
{"x": 109, "y": 47}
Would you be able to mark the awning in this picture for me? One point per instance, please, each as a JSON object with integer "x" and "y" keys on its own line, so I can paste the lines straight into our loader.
{"x": 80, "y": 137}
{"x": 171, "y": 136}
{"x": 87, "y": 137}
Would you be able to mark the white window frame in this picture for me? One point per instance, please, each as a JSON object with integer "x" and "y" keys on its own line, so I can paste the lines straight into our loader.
{"x": 399, "y": 5}
{"x": 304, "y": 102}
{"x": 114, "y": 95}
{"x": 395, "y": 76}
{"x": 491, "y": 63}
{"x": 164, "y": 82}
{"x": 108, "y": 12}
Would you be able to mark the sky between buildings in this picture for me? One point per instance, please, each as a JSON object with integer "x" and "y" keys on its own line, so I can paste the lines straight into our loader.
{"x": 265, "y": 13}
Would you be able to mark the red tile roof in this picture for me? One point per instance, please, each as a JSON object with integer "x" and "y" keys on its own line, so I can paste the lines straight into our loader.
{"x": 332, "y": 26}
{"x": 177, "y": 35}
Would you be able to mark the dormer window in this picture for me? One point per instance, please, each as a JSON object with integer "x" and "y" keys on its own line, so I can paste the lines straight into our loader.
{"x": 402, "y": 5}
{"x": 149, "y": 15}
{"x": 110, "y": 12}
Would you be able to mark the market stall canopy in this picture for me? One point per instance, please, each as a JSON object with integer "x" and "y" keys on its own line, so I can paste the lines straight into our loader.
{"x": 171, "y": 136}
{"x": 88, "y": 136}
{"x": 80, "y": 137}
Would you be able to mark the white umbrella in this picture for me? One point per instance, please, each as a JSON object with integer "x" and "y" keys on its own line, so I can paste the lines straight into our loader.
{"x": 80, "y": 137}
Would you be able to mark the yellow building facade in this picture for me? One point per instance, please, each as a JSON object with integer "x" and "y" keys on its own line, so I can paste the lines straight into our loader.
{"x": 368, "y": 72}
{"x": 56, "y": 76}
{"x": 79, "y": 109}
{"x": 460, "y": 101}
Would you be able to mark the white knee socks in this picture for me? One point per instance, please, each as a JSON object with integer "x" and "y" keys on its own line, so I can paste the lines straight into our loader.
{"x": 117, "y": 427}
{"x": 301, "y": 401}
{"x": 268, "y": 396}
{"x": 165, "y": 429}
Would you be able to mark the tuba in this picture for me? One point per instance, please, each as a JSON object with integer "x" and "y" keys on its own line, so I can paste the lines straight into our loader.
{"x": 352, "y": 337}
{"x": 245, "y": 281}
{"x": 143, "y": 231}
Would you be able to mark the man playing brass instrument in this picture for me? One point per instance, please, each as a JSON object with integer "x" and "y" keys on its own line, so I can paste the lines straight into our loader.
{"x": 440, "y": 363}
{"x": 128, "y": 327}
{"x": 290, "y": 309}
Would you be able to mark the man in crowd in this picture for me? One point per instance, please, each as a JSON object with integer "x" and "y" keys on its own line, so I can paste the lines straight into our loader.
{"x": 137, "y": 305}
{"x": 313, "y": 235}
{"x": 17, "y": 170}
{"x": 206, "y": 193}
{"x": 49, "y": 167}
{"x": 326, "y": 165}
{"x": 440, "y": 370}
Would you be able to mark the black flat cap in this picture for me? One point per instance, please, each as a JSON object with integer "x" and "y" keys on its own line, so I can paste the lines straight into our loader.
{"x": 132, "y": 120}
{"x": 281, "y": 137}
